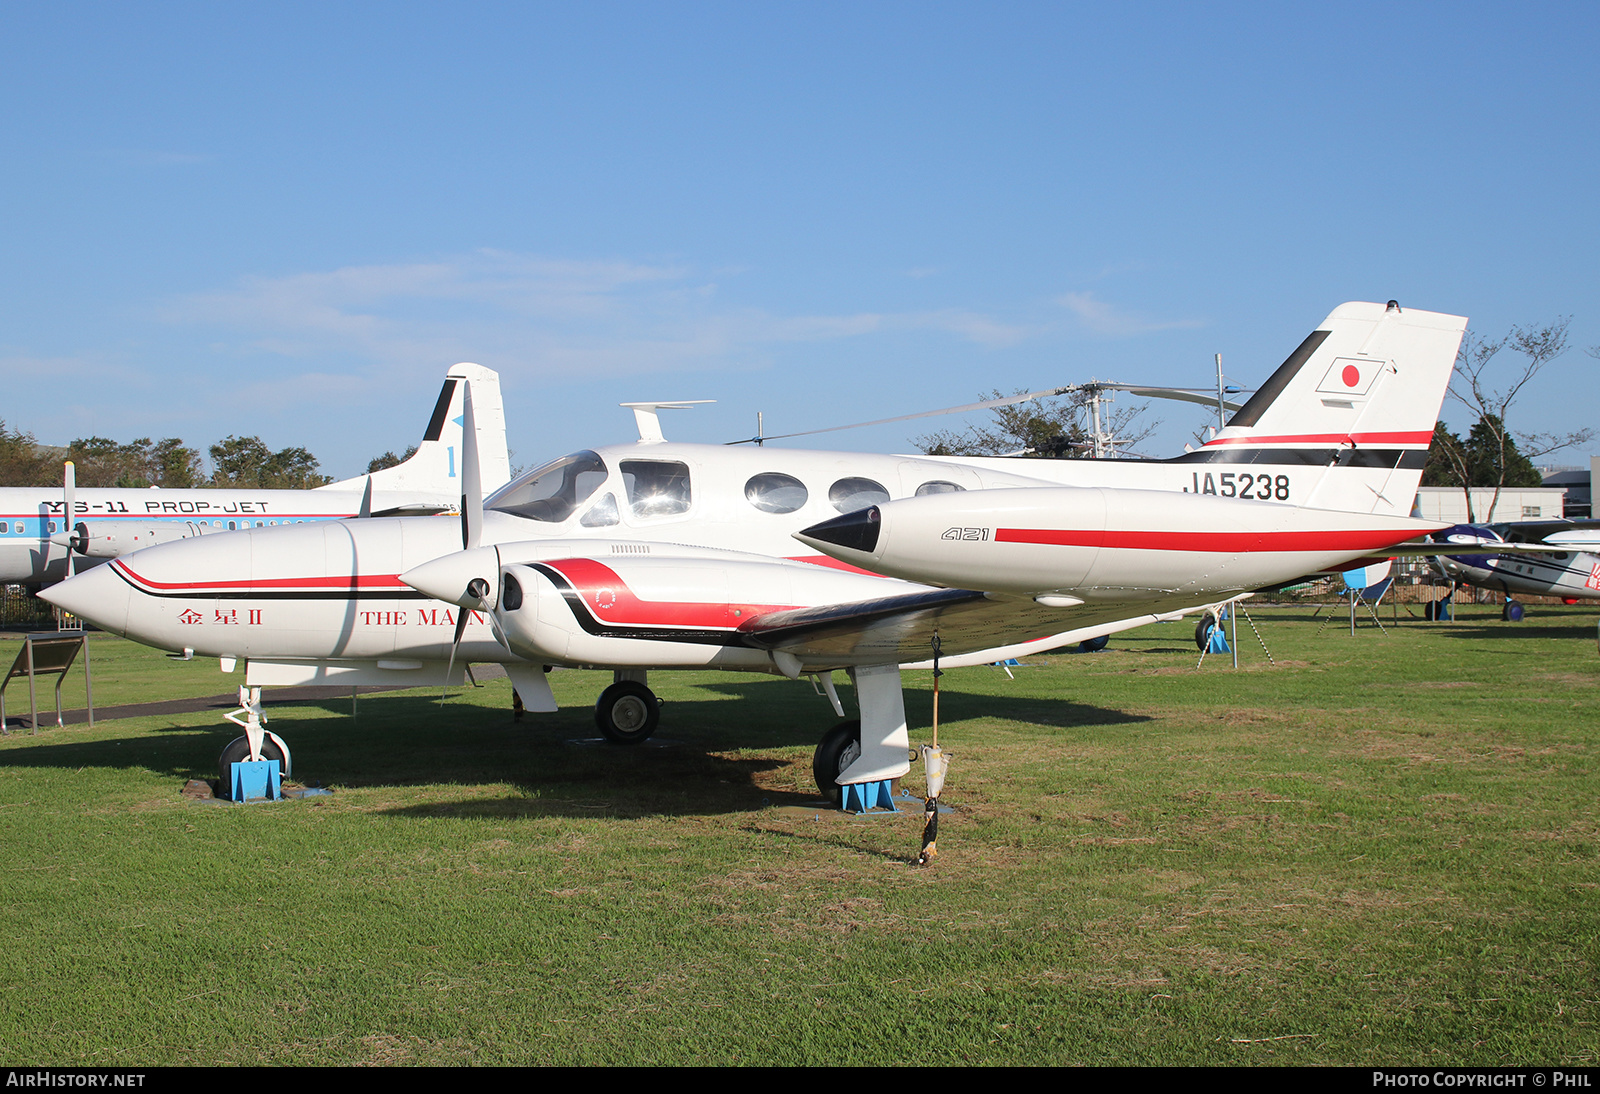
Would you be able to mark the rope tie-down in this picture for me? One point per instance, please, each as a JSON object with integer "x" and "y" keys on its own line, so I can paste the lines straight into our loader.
{"x": 935, "y": 765}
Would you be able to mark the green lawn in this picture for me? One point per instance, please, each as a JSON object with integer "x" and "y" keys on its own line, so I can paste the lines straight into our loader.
{"x": 1382, "y": 850}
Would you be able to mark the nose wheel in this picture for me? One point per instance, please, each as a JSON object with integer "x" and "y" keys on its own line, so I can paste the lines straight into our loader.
{"x": 627, "y": 712}
{"x": 238, "y": 751}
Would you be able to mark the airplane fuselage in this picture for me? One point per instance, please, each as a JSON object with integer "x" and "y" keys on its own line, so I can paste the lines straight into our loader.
{"x": 333, "y": 591}
{"x": 1571, "y": 576}
{"x": 30, "y": 516}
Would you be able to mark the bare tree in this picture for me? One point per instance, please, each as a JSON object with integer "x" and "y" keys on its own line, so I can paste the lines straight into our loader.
{"x": 1472, "y": 387}
{"x": 1058, "y": 428}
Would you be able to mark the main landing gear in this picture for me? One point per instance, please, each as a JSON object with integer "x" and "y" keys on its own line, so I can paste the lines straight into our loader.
{"x": 628, "y": 711}
{"x": 839, "y": 748}
{"x": 868, "y": 750}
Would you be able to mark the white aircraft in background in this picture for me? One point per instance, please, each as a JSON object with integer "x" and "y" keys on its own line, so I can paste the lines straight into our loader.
{"x": 39, "y": 546}
{"x": 657, "y": 555}
{"x": 1532, "y": 558}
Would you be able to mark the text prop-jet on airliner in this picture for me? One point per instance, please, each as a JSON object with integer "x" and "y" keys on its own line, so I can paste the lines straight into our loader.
{"x": 656, "y": 555}
{"x": 39, "y": 546}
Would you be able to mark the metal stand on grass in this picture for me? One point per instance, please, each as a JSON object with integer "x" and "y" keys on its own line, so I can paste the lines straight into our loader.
{"x": 49, "y": 653}
{"x": 1214, "y": 646}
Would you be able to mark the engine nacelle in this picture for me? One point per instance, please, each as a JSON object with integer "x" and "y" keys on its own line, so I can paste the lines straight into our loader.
{"x": 661, "y": 612}
{"x": 1102, "y": 541}
{"x": 115, "y": 538}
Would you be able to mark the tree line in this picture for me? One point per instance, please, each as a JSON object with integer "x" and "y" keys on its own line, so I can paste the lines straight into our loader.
{"x": 99, "y": 461}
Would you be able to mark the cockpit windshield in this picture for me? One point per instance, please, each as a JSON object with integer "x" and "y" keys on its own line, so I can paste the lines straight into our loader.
{"x": 551, "y": 493}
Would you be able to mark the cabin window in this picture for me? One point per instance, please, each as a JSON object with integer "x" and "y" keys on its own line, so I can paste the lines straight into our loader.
{"x": 775, "y": 493}
{"x": 848, "y": 495}
{"x": 52, "y": 526}
{"x": 233, "y": 526}
{"x": 656, "y": 488}
{"x": 602, "y": 514}
{"x": 552, "y": 493}
{"x": 938, "y": 486}
{"x": 5, "y": 528}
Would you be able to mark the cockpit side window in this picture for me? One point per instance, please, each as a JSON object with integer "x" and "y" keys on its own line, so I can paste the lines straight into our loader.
{"x": 656, "y": 488}
{"x": 551, "y": 493}
{"x": 602, "y": 514}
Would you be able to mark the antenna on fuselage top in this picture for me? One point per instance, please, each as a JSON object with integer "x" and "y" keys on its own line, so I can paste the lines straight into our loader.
{"x": 644, "y": 415}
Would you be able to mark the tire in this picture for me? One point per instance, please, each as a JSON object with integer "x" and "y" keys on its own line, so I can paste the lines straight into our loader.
{"x": 627, "y": 713}
{"x": 237, "y": 751}
{"x": 1202, "y": 631}
{"x": 837, "y": 750}
{"x": 1094, "y": 645}
{"x": 1512, "y": 612}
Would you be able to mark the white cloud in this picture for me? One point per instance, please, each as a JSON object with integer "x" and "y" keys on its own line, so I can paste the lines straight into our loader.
{"x": 553, "y": 316}
{"x": 1107, "y": 319}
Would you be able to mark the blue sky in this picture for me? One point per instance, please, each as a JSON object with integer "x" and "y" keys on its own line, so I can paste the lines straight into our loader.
{"x": 289, "y": 219}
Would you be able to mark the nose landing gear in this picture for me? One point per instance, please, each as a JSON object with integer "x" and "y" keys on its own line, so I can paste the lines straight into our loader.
{"x": 258, "y": 743}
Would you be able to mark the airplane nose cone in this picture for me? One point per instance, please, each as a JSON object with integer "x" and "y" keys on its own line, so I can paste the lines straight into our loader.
{"x": 97, "y": 596}
{"x": 856, "y": 531}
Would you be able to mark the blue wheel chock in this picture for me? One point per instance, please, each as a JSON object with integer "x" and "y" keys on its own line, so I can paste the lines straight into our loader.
{"x": 257, "y": 779}
{"x": 860, "y": 797}
{"x": 1218, "y": 640}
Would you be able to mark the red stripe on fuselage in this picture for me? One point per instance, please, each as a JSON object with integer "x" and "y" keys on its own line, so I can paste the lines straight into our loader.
{"x": 200, "y": 588}
{"x": 1213, "y": 542}
{"x": 1328, "y": 438}
{"x": 613, "y": 603}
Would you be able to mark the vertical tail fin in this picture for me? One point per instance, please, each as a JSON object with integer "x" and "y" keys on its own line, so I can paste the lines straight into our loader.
{"x": 1362, "y": 392}
{"x": 435, "y": 468}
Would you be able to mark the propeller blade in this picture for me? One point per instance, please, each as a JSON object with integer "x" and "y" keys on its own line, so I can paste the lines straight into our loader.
{"x": 471, "y": 478}
{"x": 69, "y": 491}
{"x": 477, "y": 589}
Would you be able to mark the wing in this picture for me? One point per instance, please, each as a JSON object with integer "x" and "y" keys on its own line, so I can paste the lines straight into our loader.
{"x": 900, "y": 629}
{"x": 1459, "y": 545}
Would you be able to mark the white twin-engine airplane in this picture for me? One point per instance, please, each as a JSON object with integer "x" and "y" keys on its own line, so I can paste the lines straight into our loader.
{"x": 38, "y": 546}
{"x": 1528, "y": 558}
{"x": 655, "y": 555}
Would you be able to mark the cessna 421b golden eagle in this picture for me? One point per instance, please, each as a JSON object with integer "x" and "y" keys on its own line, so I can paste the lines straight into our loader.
{"x": 656, "y": 555}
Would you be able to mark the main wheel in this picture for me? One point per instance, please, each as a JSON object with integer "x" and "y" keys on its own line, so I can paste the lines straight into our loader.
{"x": 1202, "y": 631}
{"x": 1094, "y": 645}
{"x": 238, "y": 751}
{"x": 840, "y": 747}
{"x": 1512, "y": 612}
{"x": 627, "y": 712}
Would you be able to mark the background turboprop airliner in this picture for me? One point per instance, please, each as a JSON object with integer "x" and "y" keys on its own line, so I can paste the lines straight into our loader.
{"x": 39, "y": 546}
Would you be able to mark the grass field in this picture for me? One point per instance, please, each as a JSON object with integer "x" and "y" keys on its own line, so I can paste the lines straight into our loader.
{"x": 1382, "y": 850}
